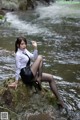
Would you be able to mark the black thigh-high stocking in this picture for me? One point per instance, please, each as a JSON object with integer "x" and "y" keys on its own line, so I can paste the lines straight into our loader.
{"x": 49, "y": 78}
{"x": 37, "y": 67}
{"x": 39, "y": 77}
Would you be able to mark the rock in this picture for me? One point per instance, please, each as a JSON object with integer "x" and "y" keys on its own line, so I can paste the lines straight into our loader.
{"x": 12, "y": 5}
{"x": 43, "y": 116}
{"x": 2, "y": 12}
{"x": 23, "y": 5}
{"x": 27, "y": 4}
{"x": 2, "y": 17}
{"x": 9, "y": 5}
{"x": 26, "y": 103}
{"x": 17, "y": 101}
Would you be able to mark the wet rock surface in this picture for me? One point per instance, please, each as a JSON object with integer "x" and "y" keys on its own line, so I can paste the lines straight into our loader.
{"x": 11, "y": 5}
{"x": 27, "y": 104}
{"x": 40, "y": 117}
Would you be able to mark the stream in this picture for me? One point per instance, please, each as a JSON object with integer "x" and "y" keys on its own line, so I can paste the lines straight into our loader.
{"x": 56, "y": 28}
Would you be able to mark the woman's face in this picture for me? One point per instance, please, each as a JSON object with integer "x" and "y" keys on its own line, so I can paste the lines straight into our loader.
{"x": 22, "y": 45}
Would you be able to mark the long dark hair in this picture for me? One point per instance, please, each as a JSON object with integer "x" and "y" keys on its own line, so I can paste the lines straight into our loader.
{"x": 18, "y": 42}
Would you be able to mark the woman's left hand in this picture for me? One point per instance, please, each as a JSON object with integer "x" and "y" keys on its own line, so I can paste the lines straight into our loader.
{"x": 34, "y": 43}
{"x": 13, "y": 85}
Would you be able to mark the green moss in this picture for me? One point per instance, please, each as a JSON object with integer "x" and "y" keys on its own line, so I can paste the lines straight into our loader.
{"x": 13, "y": 98}
{"x": 23, "y": 6}
{"x": 50, "y": 98}
{"x": 1, "y": 17}
{"x": 23, "y": 99}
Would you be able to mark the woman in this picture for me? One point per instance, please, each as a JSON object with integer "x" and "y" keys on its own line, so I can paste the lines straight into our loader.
{"x": 29, "y": 72}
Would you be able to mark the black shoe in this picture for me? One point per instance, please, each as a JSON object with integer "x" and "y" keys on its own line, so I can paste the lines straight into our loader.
{"x": 37, "y": 85}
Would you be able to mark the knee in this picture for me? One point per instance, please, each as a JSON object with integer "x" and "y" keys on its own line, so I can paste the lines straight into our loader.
{"x": 40, "y": 57}
{"x": 52, "y": 79}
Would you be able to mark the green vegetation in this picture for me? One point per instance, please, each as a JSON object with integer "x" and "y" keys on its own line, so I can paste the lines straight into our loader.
{"x": 1, "y": 17}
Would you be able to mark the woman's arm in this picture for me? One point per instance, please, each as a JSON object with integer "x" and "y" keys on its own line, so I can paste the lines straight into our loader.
{"x": 18, "y": 67}
{"x": 15, "y": 84}
{"x": 35, "y": 53}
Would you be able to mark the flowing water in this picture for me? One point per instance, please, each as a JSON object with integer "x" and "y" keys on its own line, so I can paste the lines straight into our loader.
{"x": 56, "y": 28}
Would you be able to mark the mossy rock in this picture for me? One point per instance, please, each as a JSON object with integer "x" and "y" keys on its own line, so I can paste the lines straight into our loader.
{"x": 14, "y": 97}
{"x": 23, "y": 6}
{"x": 24, "y": 100}
{"x": 1, "y": 17}
{"x": 2, "y": 13}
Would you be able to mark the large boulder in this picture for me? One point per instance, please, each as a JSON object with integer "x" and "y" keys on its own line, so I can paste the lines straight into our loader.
{"x": 12, "y": 5}
{"x": 25, "y": 102}
{"x": 9, "y": 4}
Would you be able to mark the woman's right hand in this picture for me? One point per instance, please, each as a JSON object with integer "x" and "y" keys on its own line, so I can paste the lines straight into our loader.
{"x": 34, "y": 44}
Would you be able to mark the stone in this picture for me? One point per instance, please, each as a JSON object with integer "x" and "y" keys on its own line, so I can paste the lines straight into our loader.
{"x": 43, "y": 116}
{"x": 25, "y": 103}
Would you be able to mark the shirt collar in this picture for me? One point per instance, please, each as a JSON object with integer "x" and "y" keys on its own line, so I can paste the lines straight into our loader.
{"x": 22, "y": 51}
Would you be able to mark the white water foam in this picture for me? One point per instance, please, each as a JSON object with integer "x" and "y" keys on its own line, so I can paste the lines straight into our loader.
{"x": 26, "y": 27}
{"x": 57, "y": 77}
{"x": 48, "y": 12}
{"x": 55, "y": 11}
{"x": 22, "y": 26}
{"x": 52, "y": 13}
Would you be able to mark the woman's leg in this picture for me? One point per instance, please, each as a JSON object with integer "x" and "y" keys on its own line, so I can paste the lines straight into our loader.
{"x": 49, "y": 78}
{"x": 36, "y": 68}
